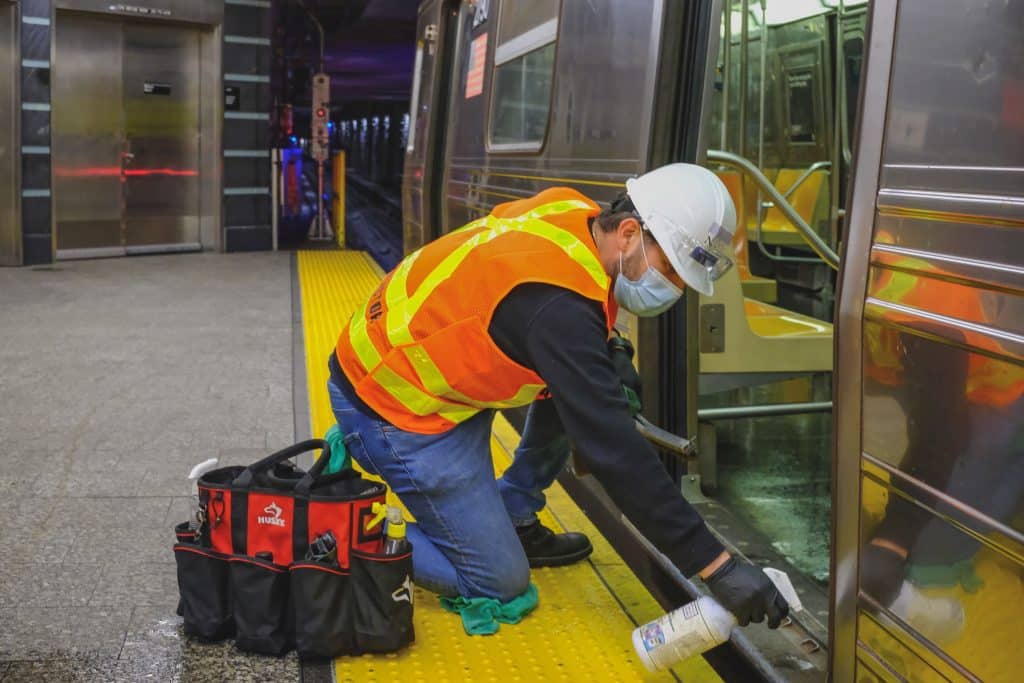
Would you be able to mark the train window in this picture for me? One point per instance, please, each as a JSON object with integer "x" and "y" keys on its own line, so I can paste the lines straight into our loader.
{"x": 524, "y": 62}
{"x": 853, "y": 50}
{"x": 800, "y": 105}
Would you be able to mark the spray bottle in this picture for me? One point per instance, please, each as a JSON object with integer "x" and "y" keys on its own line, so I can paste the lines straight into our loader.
{"x": 198, "y": 514}
{"x": 696, "y": 627}
{"x": 395, "y": 542}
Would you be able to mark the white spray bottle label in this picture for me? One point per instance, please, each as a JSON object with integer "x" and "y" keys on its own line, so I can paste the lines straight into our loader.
{"x": 696, "y": 627}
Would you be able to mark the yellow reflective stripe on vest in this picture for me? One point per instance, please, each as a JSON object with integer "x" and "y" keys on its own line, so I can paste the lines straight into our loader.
{"x": 409, "y": 395}
{"x": 402, "y": 307}
{"x": 360, "y": 341}
{"x": 434, "y": 381}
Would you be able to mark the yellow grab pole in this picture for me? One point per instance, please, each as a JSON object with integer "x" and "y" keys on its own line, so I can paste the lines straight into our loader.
{"x": 339, "y": 198}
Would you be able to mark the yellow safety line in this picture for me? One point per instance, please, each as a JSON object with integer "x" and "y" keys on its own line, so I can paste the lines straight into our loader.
{"x": 580, "y": 631}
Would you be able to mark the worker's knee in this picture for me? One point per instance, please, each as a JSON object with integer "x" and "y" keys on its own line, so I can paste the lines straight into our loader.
{"x": 503, "y": 580}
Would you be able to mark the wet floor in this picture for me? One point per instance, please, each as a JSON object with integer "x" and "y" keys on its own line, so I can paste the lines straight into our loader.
{"x": 775, "y": 472}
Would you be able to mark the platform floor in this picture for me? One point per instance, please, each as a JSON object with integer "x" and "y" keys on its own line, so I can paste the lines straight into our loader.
{"x": 116, "y": 376}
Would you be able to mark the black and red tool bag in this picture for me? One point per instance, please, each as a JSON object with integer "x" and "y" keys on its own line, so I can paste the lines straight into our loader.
{"x": 245, "y": 571}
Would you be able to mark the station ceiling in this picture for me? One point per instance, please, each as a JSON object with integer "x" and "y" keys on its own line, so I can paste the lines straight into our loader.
{"x": 370, "y": 45}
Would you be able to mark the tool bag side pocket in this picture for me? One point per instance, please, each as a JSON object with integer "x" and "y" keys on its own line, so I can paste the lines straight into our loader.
{"x": 261, "y": 605}
{"x": 323, "y": 612}
{"x": 205, "y": 592}
{"x": 381, "y": 597}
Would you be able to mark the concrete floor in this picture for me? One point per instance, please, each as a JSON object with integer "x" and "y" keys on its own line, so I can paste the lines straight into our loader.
{"x": 116, "y": 376}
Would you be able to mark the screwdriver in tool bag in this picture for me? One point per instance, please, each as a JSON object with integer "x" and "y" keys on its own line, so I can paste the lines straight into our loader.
{"x": 395, "y": 542}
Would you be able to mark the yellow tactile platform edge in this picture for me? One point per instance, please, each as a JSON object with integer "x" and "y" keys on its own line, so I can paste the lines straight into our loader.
{"x": 581, "y": 629}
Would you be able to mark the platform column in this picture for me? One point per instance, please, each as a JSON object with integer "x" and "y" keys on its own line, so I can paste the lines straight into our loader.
{"x": 338, "y": 207}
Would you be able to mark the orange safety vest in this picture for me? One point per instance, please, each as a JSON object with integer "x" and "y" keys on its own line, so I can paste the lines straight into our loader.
{"x": 990, "y": 381}
{"x": 418, "y": 351}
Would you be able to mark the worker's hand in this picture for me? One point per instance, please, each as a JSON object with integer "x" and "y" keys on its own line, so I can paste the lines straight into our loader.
{"x": 748, "y": 593}
{"x": 882, "y": 567}
{"x": 621, "y": 352}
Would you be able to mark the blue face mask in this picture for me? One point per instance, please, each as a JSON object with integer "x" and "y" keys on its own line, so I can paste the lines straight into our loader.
{"x": 651, "y": 295}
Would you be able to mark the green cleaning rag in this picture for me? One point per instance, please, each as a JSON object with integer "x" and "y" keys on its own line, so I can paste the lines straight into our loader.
{"x": 480, "y": 616}
{"x": 339, "y": 455}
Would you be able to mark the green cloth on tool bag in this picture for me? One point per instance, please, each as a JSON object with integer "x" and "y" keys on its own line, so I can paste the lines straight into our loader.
{"x": 339, "y": 455}
{"x": 480, "y": 616}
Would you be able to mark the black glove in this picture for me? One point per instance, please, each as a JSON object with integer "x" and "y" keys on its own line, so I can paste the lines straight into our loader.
{"x": 881, "y": 573}
{"x": 621, "y": 352}
{"x": 748, "y": 593}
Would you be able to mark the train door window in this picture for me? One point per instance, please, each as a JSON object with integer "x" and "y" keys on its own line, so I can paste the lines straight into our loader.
{"x": 800, "y": 105}
{"x": 853, "y": 53}
{"x": 524, "y": 63}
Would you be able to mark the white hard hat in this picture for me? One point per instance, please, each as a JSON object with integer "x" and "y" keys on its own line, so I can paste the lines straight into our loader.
{"x": 689, "y": 212}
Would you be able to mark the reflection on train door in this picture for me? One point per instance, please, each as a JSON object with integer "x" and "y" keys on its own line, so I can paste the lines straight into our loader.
{"x": 125, "y": 148}
{"x": 423, "y": 192}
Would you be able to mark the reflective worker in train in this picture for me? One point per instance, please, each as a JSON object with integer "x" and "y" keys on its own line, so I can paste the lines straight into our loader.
{"x": 517, "y": 309}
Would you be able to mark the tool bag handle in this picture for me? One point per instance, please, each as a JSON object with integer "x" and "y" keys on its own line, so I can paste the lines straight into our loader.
{"x": 305, "y": 484}
{"x": 243, "y": 483}
{"x": 245, "y": 479}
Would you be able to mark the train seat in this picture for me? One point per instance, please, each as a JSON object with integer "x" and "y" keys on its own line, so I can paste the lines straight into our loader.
{"x": 810, "y": 200}
{"x": 754, "y": 287}
{"x": 755, "y": 342}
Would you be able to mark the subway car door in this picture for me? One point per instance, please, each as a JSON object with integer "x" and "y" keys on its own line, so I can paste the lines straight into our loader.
{"x": 424, "y": 165}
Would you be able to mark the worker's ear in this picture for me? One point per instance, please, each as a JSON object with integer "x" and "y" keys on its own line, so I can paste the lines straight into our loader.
{"x": 628, "y": 230}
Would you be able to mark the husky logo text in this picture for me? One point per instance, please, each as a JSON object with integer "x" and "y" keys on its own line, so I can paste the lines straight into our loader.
{"x": 273, "y": 516}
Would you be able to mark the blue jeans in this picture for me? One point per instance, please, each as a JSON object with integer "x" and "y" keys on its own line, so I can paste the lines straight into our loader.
{"x": 464, "y": 539}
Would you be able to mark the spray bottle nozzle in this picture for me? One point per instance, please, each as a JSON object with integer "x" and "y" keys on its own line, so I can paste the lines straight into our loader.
{"x": 396, "y": 524}
{"x": 379, "y": 510}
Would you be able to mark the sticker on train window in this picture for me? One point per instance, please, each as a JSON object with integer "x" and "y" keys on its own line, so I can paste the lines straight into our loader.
{"x": 477, "y": 60}
{"x": 156, "y": 88}
{"x": 480, "y": 16}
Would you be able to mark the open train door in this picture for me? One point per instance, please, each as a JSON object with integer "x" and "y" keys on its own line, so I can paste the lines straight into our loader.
{"x": 423, "y": 175}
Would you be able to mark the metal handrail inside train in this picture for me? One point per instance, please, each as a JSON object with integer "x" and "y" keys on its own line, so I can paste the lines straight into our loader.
{"x": 807, "y": 232}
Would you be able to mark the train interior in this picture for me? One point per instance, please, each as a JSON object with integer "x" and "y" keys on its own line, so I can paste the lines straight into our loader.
{"x": 782, "y": 102}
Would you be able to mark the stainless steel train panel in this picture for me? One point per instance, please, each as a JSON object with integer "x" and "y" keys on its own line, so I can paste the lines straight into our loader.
{"x": 126, "y": 136}
{"x": 161, "y": 113}
{"x": 589, "y": 142}
{"x": 938, "y": 293}
{"x": 10, "y": 219}
{"x": 87, "y": 135}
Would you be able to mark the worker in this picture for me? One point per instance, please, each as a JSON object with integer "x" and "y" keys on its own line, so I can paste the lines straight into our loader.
{"x": 514, "y": 309}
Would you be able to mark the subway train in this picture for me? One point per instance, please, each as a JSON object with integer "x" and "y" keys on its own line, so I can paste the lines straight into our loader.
{"x": 875, "y": 154}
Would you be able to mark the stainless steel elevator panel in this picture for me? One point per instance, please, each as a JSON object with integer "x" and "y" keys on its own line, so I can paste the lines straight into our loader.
{"x": 10, "y": 223}
{"x": 161, "y": 116}
{"x": 125, "y": 136}
{"x": 87, "y": 134}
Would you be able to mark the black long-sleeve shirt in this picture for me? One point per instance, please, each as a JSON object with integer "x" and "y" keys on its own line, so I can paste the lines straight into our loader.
{"x": 562, "y": 336}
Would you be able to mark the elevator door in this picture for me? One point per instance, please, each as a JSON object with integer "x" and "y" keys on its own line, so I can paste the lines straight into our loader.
{"x": 161, "y": 121}
{"x": 125, "y": 137}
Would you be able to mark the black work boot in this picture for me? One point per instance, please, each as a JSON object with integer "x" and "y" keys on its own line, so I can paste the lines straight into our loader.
{"x": 545, "y": 548}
